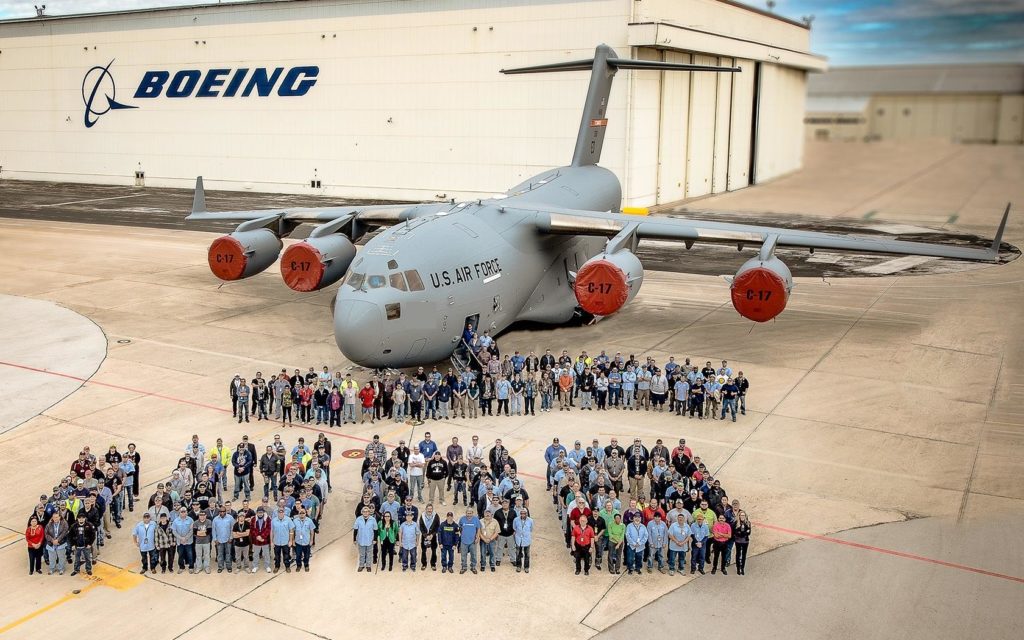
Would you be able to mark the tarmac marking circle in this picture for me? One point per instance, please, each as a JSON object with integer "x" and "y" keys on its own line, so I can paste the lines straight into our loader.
{"x": 353, "y": 453}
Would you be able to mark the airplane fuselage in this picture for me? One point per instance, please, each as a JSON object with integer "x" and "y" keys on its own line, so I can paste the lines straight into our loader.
{"x": 409, "y": 293}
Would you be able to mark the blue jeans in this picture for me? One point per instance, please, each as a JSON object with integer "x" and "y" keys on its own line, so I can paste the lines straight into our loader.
{"x": 728, "y": 551}
{"x": 468, "y": 550}
{"x": 301, "y": 555}
{"x": 431, "y": 409}
{"x": 677, "y": 560}
{"x": 242, "y": 484}
{"x": 634, "y": 559}
{"x": 698, "y": 555}
{"x": 408, "y": 557}
{"x": 321, "y": 413}
{"x": 150, "y": 559}
{"x": 743, "y": 405}
{"x": 656, "y": 554}
{"x": 486, "y": 551}
{"x": 447, "y": 557}
{"x": 224, "y": 555}
{"x": 348, "y": 412}
{"x": 729, "y": 404}
{"x": 545, "y": 401}
{"x": 186, "y": 556}
{"x": 57, "y": 557}
{"x": 83, "y": 554}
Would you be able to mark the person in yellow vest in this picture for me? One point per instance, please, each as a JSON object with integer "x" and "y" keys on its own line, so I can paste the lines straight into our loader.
{"x": 224, "y": 456}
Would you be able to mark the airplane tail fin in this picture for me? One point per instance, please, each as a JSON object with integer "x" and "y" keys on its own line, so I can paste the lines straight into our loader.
{"x": 199, "y": 199}
{"x": 602, "y": 68}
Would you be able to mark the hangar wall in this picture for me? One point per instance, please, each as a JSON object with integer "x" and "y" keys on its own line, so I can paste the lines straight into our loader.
{"x": 407, "y": 101}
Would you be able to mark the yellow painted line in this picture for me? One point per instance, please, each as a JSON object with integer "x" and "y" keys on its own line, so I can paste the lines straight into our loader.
{"x": 40, "y": 611}
{"x": 10, "y": 536}
{"x": 526, "y": 444}
{"x": 103, "y": 575}
{"x": 404, "y": 427}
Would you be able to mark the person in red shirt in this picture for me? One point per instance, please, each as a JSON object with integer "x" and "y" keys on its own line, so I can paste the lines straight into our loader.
{"x": 579, "y": 508}
{"x": 653, "y": 508}
{"x": 306, "y": 404}
{"x": 366, "y": 396}
{"x": 34, "y": 535}
{"x": 582, "y": 544}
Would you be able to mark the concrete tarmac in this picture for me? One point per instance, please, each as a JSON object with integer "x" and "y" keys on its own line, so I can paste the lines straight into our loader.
{"x": 874, "y": 400}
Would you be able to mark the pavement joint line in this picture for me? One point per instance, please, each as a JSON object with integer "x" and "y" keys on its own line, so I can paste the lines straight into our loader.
{"x": 977, "y": 449}
{"x": 806, "y": 373}
{"x": 61, "y": 204}
{"x": 891, "y": 552}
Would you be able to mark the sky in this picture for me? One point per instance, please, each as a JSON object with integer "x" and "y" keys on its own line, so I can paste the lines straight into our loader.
{"x": 848, "y": 32}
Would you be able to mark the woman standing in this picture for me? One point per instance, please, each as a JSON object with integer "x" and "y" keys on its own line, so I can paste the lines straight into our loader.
{"x": 133, "y": 455}
{"x": 34, "y": 536}
{"x": 387, "y": 533}
{"x": 582, "y": 544}
{"x": 601, "y": 388}
{"x": 741, "y": 536}
{"x": 487, "y": 396}
{"x": 287, "y": 400}
{"x": 720, "y": 534}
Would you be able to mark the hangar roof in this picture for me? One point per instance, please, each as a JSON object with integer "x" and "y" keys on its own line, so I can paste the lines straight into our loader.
{"x": 954, "y": 78}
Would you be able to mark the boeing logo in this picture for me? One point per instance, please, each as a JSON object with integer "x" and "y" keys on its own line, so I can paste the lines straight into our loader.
{"x": 102, "y": 83}
{"x": 193, "y": 83}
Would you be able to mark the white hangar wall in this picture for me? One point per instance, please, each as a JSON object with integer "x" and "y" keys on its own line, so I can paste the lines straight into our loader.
{"x": 408, "y": 102}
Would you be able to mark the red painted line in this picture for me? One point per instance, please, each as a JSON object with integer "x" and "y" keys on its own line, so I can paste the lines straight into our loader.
{"x": 891, "y": 552}
{"x": 795, "y": 532}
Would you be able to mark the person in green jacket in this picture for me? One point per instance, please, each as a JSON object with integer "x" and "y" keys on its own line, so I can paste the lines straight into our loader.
{"x": 616, "y": 539}
{"x": 387, "y": 533}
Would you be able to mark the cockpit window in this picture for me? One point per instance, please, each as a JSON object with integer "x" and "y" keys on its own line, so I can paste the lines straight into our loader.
{"x": 392, "y": 264}
{"x": 398, "y": 281}
{"x": 355, "y": 280}
{"x": 376, "y": 282}
{"x": 394, "y": 311}
{"x": 415, "y": 282}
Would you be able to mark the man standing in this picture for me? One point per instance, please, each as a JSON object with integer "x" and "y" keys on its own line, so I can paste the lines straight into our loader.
{"x": 657, "y": 537}
{"x": 259, "y": 533}
{"x": 303, "y": 534}
{"x": 56, "y": 542}
{"x": 637, "y": 468}
{"x": 242, "y": 401}
{"x": 429, "y": 522}
{"x": 241, "y": 538}
{"x": 271, "y": 468}
{"x": 506, "y": 532}
{"x": 700, "y": 532}
{"x": 236, "y": 382}
{"x": 364, "y": 531}
{"x": 181, "y": 528}
{"x": 202, "y": 531}
{"x": 82, "y": 536}
{"x": 437, "y": 476}
{"x": 282, "y": 535}
{"x": 448, "y": 536}
{"x": 144, "y": 536}
{"x": 742, "y": 385}
{"x": 636, "y": 542}
{"x": 523, "y": 528}
{"x": 222, "y": 524}
{"x": 678, "y": 542}
{"x": 488, "y": 535}
{"x": 242, "y": 463}
{"x": 469, "y": 526}
{"x": 407, "y": 536}
{"x": 417, "y": 464}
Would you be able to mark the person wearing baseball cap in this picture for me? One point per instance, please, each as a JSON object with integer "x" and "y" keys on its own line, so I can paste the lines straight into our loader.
{"x": 144, "y": 536}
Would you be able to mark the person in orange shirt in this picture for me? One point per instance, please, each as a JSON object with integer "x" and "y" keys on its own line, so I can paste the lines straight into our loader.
{"x": 720, "y": 534}
{"x": 565, "y": 389}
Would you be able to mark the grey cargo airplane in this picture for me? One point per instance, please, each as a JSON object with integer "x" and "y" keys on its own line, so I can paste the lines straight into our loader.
{"x": 551, "y": 249}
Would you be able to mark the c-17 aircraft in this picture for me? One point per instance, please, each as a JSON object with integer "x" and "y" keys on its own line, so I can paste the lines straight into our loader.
{"x": 551, "y": 249}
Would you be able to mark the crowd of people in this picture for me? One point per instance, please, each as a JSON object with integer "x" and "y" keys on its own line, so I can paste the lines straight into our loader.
{"x": 488, "y": 518}
{"x": 674, "y": 508}
{"x": 195, "y": 519}
{"x": 491, "y": 384}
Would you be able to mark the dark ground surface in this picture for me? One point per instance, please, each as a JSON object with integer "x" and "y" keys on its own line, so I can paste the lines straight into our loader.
{"x": 166, "y": 209}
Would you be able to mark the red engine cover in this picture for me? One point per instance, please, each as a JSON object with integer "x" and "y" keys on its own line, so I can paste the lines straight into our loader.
{"x": 302, "y": 267}
{"x": 759, "y": 294}
{"x": 601, "y": 288}
{"x": 227, "y": 258}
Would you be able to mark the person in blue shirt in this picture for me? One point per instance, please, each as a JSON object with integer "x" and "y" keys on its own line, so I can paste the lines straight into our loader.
{"x": 181, "y": 527}
{"x": 730, "y": 394}
{"x": 282, "y": 536}
{"x": 430, "y": 399}
{"x": 427, "y": 446}
{"x": 523, "y": 536}
{"x": 222, "y": 524}
{"x": 698, "y": 552}
{"x": 144, "y": 536}
{"x": 408, "y": 533}
{"x": 550, "y": 455}
{"x": 469, "y": 526}
{"x": 657, "y": 538}
{"x": 636, "y": 542}
{"x": 444, "y": 398}
{"x": 303, "y": 528}
{"x": 678, "y": 543}
{"x": 364, "y": 533}
{"x": 502, "y": 390}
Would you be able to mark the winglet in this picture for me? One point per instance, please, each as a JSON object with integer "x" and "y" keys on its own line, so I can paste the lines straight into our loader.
{"x": 998, "y": 240}
{"x": 199, "y": 199}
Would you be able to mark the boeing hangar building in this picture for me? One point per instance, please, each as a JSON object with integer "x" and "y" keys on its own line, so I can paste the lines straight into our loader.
{"x": 399, "y": 99}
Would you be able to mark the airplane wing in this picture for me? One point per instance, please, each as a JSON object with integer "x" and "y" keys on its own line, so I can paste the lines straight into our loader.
{"x": 367, "y": 216}
{"x": 689, "y": 231}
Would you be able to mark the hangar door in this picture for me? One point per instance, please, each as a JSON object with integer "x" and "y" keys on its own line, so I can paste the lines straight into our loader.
{"x": 706, "y": 128}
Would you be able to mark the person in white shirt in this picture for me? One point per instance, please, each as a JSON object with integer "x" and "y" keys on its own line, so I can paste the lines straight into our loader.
{"x": 417, "y": 463}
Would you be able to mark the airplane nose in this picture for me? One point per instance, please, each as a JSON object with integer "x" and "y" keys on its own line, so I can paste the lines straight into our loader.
{"x": 358, "y": 330}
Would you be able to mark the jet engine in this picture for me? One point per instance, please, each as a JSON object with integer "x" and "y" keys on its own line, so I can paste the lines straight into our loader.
{"x": 606, "y": 282}
{"x": 317, "y": 262}
{"x": 761, "y": 288}
{"x": 243, "y": 253}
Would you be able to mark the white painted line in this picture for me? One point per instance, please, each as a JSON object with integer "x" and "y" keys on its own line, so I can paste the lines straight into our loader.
{"x": 896, "y": 265}
{"x": 61, "y": 204}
